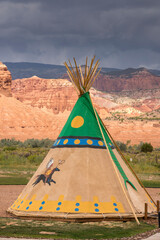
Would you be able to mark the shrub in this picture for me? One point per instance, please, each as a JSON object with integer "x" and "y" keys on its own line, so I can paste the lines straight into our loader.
{"x": 10, "y": 142}
{"x": 10, "y": 148}
{"x": 146, "y": 147}
{"x": 122, "y": 146}
{"x": 35, "y": 143}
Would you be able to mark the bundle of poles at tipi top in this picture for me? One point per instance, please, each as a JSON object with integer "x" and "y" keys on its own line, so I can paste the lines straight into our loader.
{"x": 83, "y": 82}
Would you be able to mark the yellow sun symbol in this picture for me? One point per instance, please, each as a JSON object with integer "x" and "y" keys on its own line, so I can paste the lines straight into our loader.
{"x": 77, "y": 122}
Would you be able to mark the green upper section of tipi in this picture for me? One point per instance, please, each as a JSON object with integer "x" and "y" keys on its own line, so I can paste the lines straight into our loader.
{"x": 82, "y": 121}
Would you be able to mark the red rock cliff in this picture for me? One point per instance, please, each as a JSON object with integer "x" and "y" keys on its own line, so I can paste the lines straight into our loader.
{"x": 127, "y": 80}
{"x": 5, "y": 80}
{"x": 55, "y": 94}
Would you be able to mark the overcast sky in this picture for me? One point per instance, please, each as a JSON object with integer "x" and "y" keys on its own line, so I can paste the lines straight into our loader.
{"x": 122, "y": 33}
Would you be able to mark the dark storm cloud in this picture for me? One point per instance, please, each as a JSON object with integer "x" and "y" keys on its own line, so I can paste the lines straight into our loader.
{"x": 121, "y": 33}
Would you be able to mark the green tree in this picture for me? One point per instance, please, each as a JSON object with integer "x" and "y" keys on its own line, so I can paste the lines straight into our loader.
{"x": 122, "y": 146}
{"x": 146, "y": 147}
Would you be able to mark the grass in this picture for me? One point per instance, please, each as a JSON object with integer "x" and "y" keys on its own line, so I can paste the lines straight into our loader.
{"x": 151, "y": 184}
{"x": 146, "y": 166}
{"x": 144, "y": 162}
{"x": 18, "y": 164}
{"x": 21, "y": 157}
{"x": 59, "y": 230}
{"x": 13, "y": 181}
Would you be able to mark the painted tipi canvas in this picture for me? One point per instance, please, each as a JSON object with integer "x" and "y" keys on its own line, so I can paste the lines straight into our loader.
{"x": 83, "y": 176}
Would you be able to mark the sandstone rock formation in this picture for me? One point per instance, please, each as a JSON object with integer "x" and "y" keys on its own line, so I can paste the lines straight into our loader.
{"x": 127, "y": 80}
{"x": 5, "y": 80}
{"x": 56, "y": 94}
{"x": 22, "y": 122}
{"x": 136, "y": 131}
{"x": 59, "y": 95}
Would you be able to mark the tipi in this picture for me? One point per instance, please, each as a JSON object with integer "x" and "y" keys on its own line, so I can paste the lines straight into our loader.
{"x": 84, "y": 176}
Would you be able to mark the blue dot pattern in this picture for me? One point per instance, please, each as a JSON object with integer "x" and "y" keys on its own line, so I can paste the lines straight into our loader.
{"x": 76, "y": 209}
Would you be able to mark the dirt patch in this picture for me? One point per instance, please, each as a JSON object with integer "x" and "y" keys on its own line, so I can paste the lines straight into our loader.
{"x": 9, "y": 194}
{"x": 155, "y": 193}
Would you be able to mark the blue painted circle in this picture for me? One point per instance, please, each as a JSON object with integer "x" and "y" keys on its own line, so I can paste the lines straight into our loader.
{"x": 43, "y": 202}
{"x": 21, "y": 202}
{"x": 151, "y": 201}
{"x": 30, "y": 203}
{"x": 58, "y": 208}
{"x": 96, "y": 210}
{"x": 116, "y": 209}
{"x": 41, "y": 208}
{"x": 27, "y": 208}
{"x": 59, "y": 203}
{"x": 18, "y": 206}
{"x": 77, "y": 204}
{"x": 114, "y": 204}
{"x": 96, "y": 204}
{"x": 76, "y": 209}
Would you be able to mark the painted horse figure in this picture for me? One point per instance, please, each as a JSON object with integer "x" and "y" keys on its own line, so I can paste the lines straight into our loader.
{"x": 46, "y": 177}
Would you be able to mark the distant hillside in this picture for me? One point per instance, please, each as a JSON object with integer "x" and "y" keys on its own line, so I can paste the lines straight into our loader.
{"x": 129, "y": 72}
{"x": 109, "y": 80}
{"x": 26, "y": 69}
{"x": 49, "y": 71}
